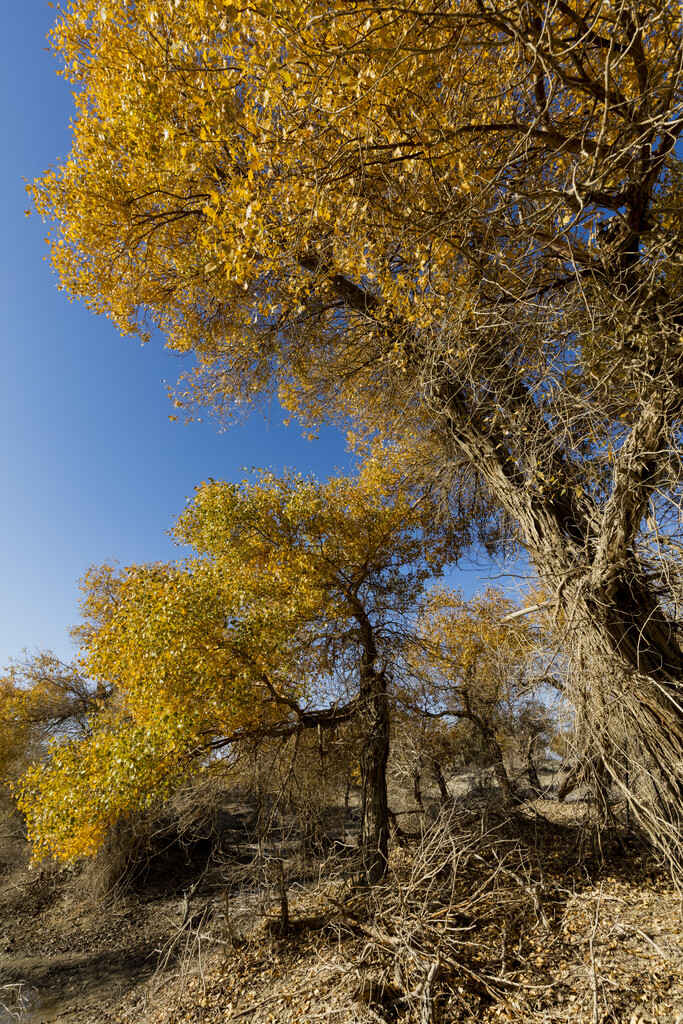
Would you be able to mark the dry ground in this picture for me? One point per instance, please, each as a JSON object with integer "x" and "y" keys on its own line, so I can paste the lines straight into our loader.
{"x": 488, "y": 918}
{"x": 570, "y": 940}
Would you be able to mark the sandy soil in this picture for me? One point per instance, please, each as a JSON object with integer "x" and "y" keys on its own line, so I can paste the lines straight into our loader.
{"x": 69, "y": 954}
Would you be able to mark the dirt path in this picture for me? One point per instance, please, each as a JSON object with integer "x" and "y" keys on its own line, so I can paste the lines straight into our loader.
{"x": 66, "y": 956}
{"x": 58, "y": 961}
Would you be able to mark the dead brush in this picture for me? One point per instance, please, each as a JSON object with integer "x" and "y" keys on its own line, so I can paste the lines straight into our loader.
{"x": 486, "y": 915}
{"x": 172, "y": 840}
{"x": 453, "y": 923}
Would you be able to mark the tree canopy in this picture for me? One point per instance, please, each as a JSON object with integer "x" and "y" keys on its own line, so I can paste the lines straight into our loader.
{"x": 467, "y": 216}
{"x": 41, "y": 698}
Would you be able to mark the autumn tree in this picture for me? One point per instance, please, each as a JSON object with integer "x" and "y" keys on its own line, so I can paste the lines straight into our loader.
{"x": 42, "y": 699}
{"x": 290, "y": 617}
{"x": 462, "y": 221}
{"x": 475, "y": 666}
{"x": 425, "y": 750}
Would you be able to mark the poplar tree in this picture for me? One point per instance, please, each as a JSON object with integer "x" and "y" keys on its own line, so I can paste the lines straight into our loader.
{"x": 461, "y": 221}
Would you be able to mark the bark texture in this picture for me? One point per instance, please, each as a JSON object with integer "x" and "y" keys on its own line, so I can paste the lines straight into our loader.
{"x": 374, "y": 758}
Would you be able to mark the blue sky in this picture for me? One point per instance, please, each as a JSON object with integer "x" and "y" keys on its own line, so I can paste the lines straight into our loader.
{"x": 91, "y": 466}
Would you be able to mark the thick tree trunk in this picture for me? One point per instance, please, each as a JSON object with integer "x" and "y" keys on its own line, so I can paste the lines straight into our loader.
{"x": 628, "y": 678}
{"x": 373, "y": 763}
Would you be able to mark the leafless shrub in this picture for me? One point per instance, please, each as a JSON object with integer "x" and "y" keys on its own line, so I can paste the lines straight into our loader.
{"x": 443, "y": 927}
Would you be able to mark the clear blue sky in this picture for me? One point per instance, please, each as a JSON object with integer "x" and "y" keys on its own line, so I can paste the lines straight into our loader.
{"x": 91, "y": 466}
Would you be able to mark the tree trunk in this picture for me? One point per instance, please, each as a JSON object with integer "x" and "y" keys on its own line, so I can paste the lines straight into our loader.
{"x": 373, "y": 764}
{"x": 416, "y": 777}
{"x": 496, "y": 754}
{"x": 438, "y": 775}
{"x": 583, "y": 547}
{"x": 529, "y": 764}
{"x": 628, "y": 679}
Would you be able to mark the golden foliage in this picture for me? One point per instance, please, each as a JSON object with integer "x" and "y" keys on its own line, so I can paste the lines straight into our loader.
{"x": 249, "y": 638}
{"x": 297, "y": 194}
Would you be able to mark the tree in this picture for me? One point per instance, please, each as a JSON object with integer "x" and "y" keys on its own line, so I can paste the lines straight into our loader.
{"x": 475, "y": 666}
{"x": 426, "y": 748}
{"x": 462, "y": 221}
{"x": 290, "y": 617}
{"x": 42, "y": 698}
